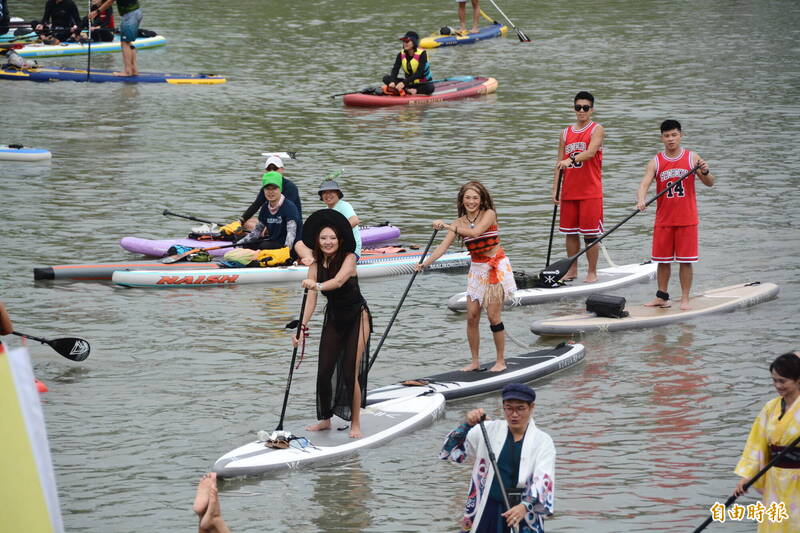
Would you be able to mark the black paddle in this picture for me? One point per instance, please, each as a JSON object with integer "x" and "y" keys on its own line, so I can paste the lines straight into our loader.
{"x": 89, "y": 53}
{"x": 747, "y": 485}
{"x": 72, "y": 348}
{"x": 174, "y": 258}
{"x": 400, "y": 303}
{"x": 552, "y": 274}
{"x": 496, "y": 469}
{"x": 522, "y": 37}
{"x": 294, "y": 356}
{"x": 555, "y": 210}
{"x": 169, "y": 213}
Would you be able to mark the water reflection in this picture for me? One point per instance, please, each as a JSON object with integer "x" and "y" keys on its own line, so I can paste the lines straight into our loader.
{"x": 344, "y": 494}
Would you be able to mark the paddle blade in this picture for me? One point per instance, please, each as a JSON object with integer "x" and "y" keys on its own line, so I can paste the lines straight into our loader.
{"x": 552, "y": 274}
{"x": 177, "y": 257}
{"x": 522, "y": 37}
{"x": 71, "y": 347}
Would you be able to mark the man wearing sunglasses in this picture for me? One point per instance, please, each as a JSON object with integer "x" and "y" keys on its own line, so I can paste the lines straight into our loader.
{"x": 525, "y": 460}
{"x": 580, "y": 159}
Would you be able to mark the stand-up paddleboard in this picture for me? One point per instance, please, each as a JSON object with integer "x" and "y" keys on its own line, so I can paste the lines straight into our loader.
{"x": 458, "y": 384}
{"x": 379, "y": 423}
{"x": 376, "y": 266}
{"x": 714, "y": 301}
{"x": 608, "y": 278}
{"x": 103, "y": 271}
{"x": 486, "y": 32}
{"x": 17, "y": 152}
{"x": 104, "y": 76}
{"x": 370, "y": 235}
{"x": 72, "y": 49}
{"x": 448, "y": 89}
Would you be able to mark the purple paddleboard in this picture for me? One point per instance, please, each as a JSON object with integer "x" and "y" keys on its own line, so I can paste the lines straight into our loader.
{"x": 370, "y": 236}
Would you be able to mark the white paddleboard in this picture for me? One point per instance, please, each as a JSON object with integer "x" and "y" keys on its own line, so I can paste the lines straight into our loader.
{"x": 714, "y": 301}
{"x": 379, "y": 423}
{"x": 609, "y": 278}
{"x": 16, "y": 152}
{"x": 367, "y": 267}
{"x": 457, "y": 384}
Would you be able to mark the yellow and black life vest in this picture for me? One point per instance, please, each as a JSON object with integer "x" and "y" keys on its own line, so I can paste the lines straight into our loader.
{"x": 410, "y": 67}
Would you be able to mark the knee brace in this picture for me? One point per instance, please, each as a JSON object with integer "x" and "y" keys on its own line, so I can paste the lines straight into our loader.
{"x": 663, "y": 295}
{"x": 589, "y": 240}
{"x": 497, "y": 327}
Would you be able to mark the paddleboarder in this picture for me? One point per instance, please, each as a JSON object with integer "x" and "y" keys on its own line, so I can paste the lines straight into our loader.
{"x": 776, "y": 426}
{"x": 130, "y": 18}
{"x": 526, "y": 463}
{"x": 580, "y": 157}
{"x": 331, "y": 194}
{"x": 60, "y": 22}
{"x": 278, "y": 220}
{"x": 413, "y": 61}
{"x": 490, "y": 280}
{"x": 675, "y": 227}
{"x": 344, "y": 340}
{"x": 248, "y": 220}
{"x": 462, "y": 15}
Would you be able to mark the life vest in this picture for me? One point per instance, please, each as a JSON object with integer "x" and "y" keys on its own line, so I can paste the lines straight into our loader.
{"x": 410, "y": 67}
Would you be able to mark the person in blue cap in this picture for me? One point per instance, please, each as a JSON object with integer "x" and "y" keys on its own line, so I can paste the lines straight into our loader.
{"x": 526, "y": 461}
{"x": 413, "y": 61}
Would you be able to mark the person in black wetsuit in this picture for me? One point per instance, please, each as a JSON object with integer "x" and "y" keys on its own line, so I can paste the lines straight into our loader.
{"x": 413, "y": 61}
{"x": 344, "y": 340}
{"x": 60, "y": 22}
{"x": 5, "y": 17}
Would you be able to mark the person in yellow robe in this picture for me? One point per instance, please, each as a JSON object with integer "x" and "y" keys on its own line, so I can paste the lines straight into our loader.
{"x": 776, "y": 426}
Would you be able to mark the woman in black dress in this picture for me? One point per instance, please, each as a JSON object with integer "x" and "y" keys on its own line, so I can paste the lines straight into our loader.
{"x": 344, "y": 341}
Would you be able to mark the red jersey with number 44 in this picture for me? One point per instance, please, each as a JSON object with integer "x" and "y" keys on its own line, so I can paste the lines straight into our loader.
{"x": 678, "y": 206}
{"x": 584, "y": 180}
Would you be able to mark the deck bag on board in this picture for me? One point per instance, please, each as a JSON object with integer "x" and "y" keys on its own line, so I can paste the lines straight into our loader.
{"x": 276, "y": 257}
{"x": 240, "y": 256}
{"x": 606, "y": 305}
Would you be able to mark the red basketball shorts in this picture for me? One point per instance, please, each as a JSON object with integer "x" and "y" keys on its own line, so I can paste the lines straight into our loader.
{"x": 675, "y": 244}
{"x": 581, "y": 217}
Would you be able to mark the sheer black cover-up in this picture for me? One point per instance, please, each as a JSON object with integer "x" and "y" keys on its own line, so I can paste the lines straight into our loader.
{"x": 336, "y": 369}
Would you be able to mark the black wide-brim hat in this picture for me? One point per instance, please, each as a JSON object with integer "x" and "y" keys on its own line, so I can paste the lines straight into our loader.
{"x": 328, "y": 218}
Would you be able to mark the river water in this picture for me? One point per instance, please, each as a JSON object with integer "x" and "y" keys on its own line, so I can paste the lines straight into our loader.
{"x": 648, "y": 428}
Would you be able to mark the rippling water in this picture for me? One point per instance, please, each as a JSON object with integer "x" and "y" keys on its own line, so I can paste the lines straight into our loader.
{"x": 648, "y": 428}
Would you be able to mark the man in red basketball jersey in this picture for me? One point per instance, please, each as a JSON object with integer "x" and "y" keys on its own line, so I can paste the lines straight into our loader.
{"x": 580, "y": 156}
{"x": 675, "y": 230}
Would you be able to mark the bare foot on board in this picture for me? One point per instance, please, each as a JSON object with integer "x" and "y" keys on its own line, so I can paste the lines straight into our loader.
{"x": 320, "y": 426}
{"x": 685, "y": 305}
{"x": 355, "y": 432}
{"x": 471, "y": 367}
{"x": 658, "y": 302}
{"x": 590, "y": 278}
{"x": 497, "y": 368}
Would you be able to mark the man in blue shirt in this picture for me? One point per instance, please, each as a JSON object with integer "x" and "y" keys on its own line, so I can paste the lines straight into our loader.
{"x": 278, "y": 220}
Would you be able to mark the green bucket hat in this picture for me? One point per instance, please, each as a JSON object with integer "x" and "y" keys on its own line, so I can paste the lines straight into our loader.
{"x": 272, "y": 178}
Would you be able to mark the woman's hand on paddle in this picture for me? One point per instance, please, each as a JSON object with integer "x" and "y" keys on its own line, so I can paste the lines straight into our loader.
{"x": 439, "y": 224}
{"x": 419, "y": 267}
{"x": 475, "y": 416}
{"x": 739, "y": 490}
{"x": 295, "y": 341}
{"x": 515, "y": 515}
{"x": 308, "y": 284}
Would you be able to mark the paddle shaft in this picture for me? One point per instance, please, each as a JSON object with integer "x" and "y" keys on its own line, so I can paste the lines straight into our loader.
{"x": 555, "y": 210}
{"x": 294, "y": 357}
{"x": 755, "y": 478}
{"x": 400, "y": 303}
{"x": 31, "y": 337}
{"x": 669, "y": 187}
{"x": 520, "y": 34}
{"x": 89, "y": 53}
{"x": 169, "y": 213}
{"x": 496, "y": 469}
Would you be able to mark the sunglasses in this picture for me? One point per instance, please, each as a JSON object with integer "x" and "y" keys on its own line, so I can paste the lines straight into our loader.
{"x": 582, "y": 107}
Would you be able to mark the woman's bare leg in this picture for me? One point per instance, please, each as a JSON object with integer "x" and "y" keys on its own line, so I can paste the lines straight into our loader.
{"x": 473, "y": 335}
{"x": 363, "y": 335}
{"x": 493, "y": 313}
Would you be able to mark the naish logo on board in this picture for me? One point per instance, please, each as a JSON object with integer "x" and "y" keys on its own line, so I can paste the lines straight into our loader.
{"x": 198, "y": 280}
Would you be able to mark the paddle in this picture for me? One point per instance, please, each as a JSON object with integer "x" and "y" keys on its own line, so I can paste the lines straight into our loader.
{"x": 552, "y": 274}
{"x": 169, "y": 213}
{"x": 496, "y": 469}
{"x": 177, "y": 257}
{"x": 89, "y": 53}
{"x": 487, "y": 17}
{"x": 72, "y": 348}
{"x": 755, "y": 478}
{"x": 294, "y": 356}
{"x": 555, "y": 210}
{"x": 522, "y": 37}
{"x": 400, "y": 303}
